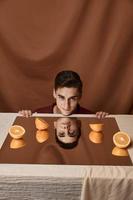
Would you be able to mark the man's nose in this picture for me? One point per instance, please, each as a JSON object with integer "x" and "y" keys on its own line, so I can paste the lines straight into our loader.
{"x": 66, "y": 130}
{"x": 66, "y": 127}
{"x": 66, "y": 104}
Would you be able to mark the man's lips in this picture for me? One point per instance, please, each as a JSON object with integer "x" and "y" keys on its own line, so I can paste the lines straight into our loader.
{"x": 65, "y": 110}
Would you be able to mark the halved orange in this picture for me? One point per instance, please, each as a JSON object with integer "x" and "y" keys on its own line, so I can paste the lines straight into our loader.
{"x": 41, "y": 124}
{"x": 16, "y": 131}
{"x": 42, "y": 136}
{"x": 17, "y": 143}
{"x": 96, "y": 137}
{"x": 121, "y": 139}
{"x": 119, "y": 151}
{"x": 96, "y": 127}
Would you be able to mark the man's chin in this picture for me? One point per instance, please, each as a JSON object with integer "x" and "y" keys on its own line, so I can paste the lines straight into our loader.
{"x": 66, "y": 113}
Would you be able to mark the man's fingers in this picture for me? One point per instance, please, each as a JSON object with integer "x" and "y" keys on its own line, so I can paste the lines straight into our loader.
{"x": 25, "y": 113}
{"x": 101, "y": 114}
{"x": 29, "y": 113}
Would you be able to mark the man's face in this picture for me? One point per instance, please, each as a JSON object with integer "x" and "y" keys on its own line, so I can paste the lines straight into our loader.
{"x": 66, "y": 99}
{"x": 67, "y": 129}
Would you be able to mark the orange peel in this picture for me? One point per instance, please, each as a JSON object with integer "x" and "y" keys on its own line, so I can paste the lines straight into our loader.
{"x": 96, "y": 127}
{"x": 42, "y": 136}
{"x": 17, "y": 143}
{"x": 119, "y": 152}
{"x": 41, "y": 124}
{"x": 96, "y": 137}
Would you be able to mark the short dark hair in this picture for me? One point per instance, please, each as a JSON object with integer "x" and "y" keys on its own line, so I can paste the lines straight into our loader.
{"x": 68, "y": 79}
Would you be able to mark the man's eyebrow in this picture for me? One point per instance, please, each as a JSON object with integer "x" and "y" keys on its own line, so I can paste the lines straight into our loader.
{"x": 61, "y": 134}
{"x": 73, "y": 96}
{"x": 59, "y": 95}
{"x": 69, "y": 133}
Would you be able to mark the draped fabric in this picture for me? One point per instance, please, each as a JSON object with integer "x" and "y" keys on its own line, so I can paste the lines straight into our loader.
{"x": 40, "y": 38}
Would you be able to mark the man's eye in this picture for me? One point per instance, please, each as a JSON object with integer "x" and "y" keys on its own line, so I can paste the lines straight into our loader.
{"x": 74, "y": 98}
{"x": 61, "y": 97}
{"x": 72, "y": 134}
{"x": 61, "y": 134}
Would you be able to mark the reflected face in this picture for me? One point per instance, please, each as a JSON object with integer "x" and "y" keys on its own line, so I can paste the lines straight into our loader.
{"x": 67, "y": 100}
{"x": 67, "y": 129}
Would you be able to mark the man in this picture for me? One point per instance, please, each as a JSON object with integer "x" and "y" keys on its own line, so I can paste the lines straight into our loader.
{"x": 67, "y": 93}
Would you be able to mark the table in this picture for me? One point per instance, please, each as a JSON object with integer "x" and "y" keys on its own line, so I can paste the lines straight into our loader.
{"x": 66, "y": 182}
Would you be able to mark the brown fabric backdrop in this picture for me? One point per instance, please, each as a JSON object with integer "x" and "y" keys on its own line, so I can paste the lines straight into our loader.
{"x": 40, "y": 38}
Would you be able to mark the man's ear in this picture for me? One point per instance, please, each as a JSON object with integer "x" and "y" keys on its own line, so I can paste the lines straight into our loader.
{"x": 54, "y": 95}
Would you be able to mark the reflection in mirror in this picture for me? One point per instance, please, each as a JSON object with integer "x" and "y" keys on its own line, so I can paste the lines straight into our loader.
{"x": 42, "y": 136}
{"x": 67, "y": 132}
{"x": 97, "y": 127}
{"x": 17, "y": 143}
{"x": 96, "y": 137}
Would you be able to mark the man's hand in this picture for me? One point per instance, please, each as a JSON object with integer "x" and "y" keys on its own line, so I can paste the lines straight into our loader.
{"x": 25, "y": 113}
{"x": 101, "y": 114}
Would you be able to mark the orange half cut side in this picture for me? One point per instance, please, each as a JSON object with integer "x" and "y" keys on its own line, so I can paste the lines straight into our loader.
{"x": 121, "y": 139}
{"x": 16, "y": 131}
